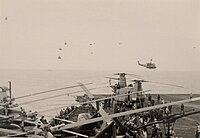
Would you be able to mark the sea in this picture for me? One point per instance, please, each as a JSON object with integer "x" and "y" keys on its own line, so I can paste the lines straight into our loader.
{"x": 47, "y": 92}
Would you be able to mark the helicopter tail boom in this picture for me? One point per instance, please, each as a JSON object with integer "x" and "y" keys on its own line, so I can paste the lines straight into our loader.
{"x": 141, "y": 64}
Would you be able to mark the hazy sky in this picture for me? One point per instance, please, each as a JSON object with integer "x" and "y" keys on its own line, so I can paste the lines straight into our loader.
{"x": 120, "y": 31}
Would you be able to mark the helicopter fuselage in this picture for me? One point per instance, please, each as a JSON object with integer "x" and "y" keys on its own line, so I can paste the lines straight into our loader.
{"x": 148, "y": 65}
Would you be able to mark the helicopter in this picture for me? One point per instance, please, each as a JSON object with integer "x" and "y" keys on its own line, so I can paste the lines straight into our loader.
{"x": 122, "y": 88}
{"x": 149, "y": 65}
{"x": 59, "y": 57}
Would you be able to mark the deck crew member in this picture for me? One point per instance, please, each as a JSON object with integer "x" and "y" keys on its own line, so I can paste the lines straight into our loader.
{"x": 43, "y": 120}
{"x": 198, "y": 131}
{"x": 191, "y": 95}
{"x": 23, "y": 116}
{"x": 158, "y": 99}
{"x": 182, "y": 108}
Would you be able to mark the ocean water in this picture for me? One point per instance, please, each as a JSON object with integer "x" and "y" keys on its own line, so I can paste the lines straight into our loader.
{"x": 25, "y": 82}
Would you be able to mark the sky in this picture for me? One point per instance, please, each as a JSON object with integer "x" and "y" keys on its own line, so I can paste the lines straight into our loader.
{"x": 100, "y": 34}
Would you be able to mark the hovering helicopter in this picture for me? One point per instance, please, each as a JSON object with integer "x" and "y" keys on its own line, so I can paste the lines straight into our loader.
{"x": 148, "y": 65}
{"x": 59, "y": 57}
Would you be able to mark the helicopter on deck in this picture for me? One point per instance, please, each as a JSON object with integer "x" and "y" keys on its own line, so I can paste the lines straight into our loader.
{"x": 149, "y": 65}
{"x": 122, "y": 88}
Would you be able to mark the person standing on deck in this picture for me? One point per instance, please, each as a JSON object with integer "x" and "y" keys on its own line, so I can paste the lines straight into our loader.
{"x": 158, "y": 99}
{"x": 167, "y": 111}
{"x": 182, "y": 109}
{"x": 23, "y": 117}
{"x": 198, "y": 131}
{"x": 162, "y": 101}
{"x": 191, "y": 95}
{"x": 149, "y": 97}
{"x": 170, "y": 108}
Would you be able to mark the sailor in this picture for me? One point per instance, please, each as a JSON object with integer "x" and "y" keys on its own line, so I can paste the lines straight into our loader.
{"x": 157, "y": 125}
{"x": 154, "y": 131}
{"x": 172, "y": 133}
{"x": 23, "y": 116}
{"x": 61, "y": 112}
{"x": 23, "y": 113}
{"x": 158, "y": 99}
{"x": 152, "y": 102}
{"x": 191, "y": 95}
{"x": 32, "y": 115}
{"x": 198, "y": 131}
{"x": 149, "y": 103}
{"x": 43, "y": 120}
{"x": 145, "y": 130}
{"x": 141, "y": 119}
{"x": 37, "y": 129}
{"x": 170, "y": 108}
{"x": 134, "y": 106}
{"x": 118, "y": 86}
{"x": 149, "y": 97}
{"x": 72, "y": 107}
{"x": 110, "y": 82}
{"x": 5, "y": 105}
{"x": 182, "y": 109}
{"x": 160, "y": 133}
{"x": 162, "y": 101}
{"x": 167, "y": 110}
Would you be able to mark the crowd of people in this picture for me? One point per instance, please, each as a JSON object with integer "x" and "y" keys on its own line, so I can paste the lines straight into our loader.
{"x": 64, "y": 113}
{"x": 137, "y": 123}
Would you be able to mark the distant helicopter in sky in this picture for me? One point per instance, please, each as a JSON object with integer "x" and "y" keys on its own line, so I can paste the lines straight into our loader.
{"x": 149, "y": 65}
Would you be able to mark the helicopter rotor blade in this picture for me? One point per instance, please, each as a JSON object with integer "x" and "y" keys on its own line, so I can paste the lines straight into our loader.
{"x": 168, "y": 84}
{"x": 130, "y": 74}
{"x": 59, "y": 95}
{"x": 49, "y": 91}
{"x": 134, "y": 75}
{"x": 112, "y": 78}
{"x": 141, "y": 80}
{"x": 75, "y": 133}
{"x": 160, "y": 83}
{"x": 119, "y": 73}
